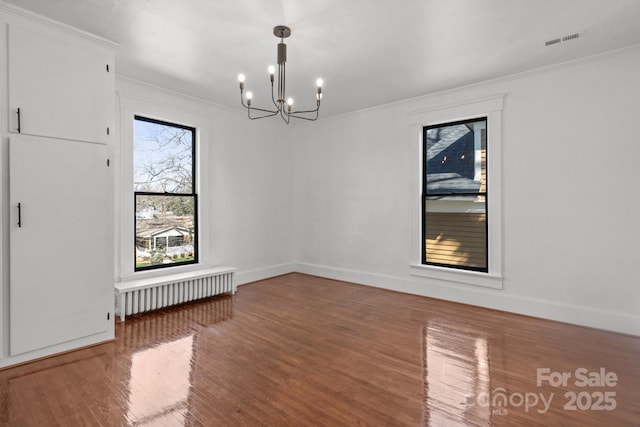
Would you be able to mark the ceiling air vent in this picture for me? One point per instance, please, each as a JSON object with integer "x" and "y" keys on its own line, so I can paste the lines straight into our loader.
{"x": 552, "y": 42}
{"x": 563, "y": 39}
{"x": 570, "y": 37}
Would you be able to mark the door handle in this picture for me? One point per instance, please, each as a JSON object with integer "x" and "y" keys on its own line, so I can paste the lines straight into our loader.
{"x": 19, "y": 126}
{"x": 19, "y": 215}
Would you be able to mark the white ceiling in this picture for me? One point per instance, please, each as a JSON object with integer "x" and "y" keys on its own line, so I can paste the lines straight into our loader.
{"x": 369, "y": 52}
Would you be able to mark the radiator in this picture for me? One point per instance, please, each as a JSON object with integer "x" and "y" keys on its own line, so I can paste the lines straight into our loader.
{"x": 142, "y": 295}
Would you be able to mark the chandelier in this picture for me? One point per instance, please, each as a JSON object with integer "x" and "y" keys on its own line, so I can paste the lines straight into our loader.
{"x": 281, "y": 104}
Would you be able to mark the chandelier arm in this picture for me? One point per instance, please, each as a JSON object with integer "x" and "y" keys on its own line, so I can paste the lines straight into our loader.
{"x": 263, "y": 110}
{"x": 249, "y": 108}
{"x": 242, "y": 100}
{"x": 305, "y": 111}
{"x": 283, "y": 95}
{"x": 311, "y": 119}
{"x": 271, "y": 113}
{"x": 284, "y": 116}
{"x": 260, "y": 117}
{"x": 273, "y": 98}
{"x": 315, "y": 110}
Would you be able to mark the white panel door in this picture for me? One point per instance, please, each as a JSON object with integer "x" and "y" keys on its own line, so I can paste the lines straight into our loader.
{"x": 59, "y": 251}
{"x": 61, "y": 86}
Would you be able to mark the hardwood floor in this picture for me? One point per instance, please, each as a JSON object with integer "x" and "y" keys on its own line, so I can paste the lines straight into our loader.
{"x": 301, "y": 350}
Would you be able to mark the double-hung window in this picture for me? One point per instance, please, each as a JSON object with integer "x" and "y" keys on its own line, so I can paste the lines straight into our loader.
{"x": 166, "y": 203}
{"x": 457, "y": 218}
{"x": 454, "y": 222}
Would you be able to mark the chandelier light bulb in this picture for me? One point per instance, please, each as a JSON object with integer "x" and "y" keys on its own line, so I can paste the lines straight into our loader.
{"x": 319, "y": 84}
{"x": 249, "y": 96}
{"x": 289, "y": 102}
{"x": 272, "y": 72}
{"x": 241, "y": 78}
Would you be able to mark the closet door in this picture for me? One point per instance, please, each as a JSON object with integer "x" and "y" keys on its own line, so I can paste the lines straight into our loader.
{"x": 59, "y": 250}
{"x": 59, "y": 86}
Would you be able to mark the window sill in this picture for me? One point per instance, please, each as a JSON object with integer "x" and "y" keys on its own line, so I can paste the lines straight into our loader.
{"x": 464, "y": 277}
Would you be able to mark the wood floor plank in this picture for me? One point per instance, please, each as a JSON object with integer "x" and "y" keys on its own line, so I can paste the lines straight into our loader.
{"x": 302, "y": 350}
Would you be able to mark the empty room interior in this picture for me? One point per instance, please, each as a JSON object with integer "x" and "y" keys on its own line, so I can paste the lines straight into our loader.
{"x": 340, "y": 212}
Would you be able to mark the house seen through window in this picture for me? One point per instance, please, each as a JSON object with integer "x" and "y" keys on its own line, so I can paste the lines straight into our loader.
{"x": 454, "y": 195}
{"x": 166, "y": 221}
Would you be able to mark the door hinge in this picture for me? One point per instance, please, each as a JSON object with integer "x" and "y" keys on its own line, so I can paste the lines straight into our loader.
{"x": 107, "y": 68}
{"x": 108, "y": 130}
{"x": 108, "y": 315}
{"x": 108, "y": 162}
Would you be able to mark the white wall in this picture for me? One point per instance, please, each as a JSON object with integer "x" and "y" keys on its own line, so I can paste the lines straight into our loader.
{"x": 570, "y": 150}
{"x": 249, "y": 178}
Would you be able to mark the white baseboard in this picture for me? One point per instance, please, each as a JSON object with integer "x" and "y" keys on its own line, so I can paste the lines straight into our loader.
{"x": 243, "y": 277}
{"x": 489, "y": 298}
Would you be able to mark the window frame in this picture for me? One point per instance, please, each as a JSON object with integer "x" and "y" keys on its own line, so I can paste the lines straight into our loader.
{"x": 491, "y": 108}
{"x": 426, "y": 194}
{"x": 132, "y": 102}
{"x": 193, "y": 194}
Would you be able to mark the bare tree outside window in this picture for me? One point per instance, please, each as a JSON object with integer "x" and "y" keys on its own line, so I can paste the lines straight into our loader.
{"x": 165, "y": 198}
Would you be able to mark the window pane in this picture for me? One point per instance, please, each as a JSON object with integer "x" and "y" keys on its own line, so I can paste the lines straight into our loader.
{"x": 163, "y": 157}
{"x": 455, "y": 157}
{"x": 456, "y": 232}
{"x": 165, "y": 230}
